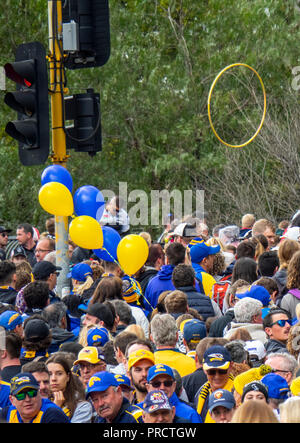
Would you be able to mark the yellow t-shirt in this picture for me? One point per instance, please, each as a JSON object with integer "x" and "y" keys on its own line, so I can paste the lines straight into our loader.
{"x": 175, "y": 359}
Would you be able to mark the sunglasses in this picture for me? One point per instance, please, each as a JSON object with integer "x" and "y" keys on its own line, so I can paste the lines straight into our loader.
{"x": 4, "y": 234}
{"x": 282, "y": 323}
{"x": 22, "y": 395}
{"x": 217, "y": 371}
{"x": 166, "y": 383}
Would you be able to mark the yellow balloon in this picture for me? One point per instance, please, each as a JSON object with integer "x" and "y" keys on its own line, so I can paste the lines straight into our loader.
{"x": 86, "y": 232}
{"x": 132, "y": 253}
{"x": 56, "y": 199}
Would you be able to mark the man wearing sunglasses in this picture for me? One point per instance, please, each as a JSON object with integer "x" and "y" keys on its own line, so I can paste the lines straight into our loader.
{"x": 161, "y": 377}
{"x": 3, "y": 241}
{"x": 277, "y": 325}
{"x": 27, "y": 404}
{"x": 217, "y": 365}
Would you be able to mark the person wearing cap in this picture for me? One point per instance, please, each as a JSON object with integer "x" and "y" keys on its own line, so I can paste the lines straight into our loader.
{"x": 217, "y": 364}
{"x": 90, "y": 360}
{"x": 277, "y": 325}
{"x": 126, "y": 386}
{"x": 278, "y": 391}
{"x": 48, "y": 272}
{"x": 18, "y": 255}
{"x": 12, "y": 321}
{"x": 37, "y": 339}
{"x": 162, "y": 281}
{"x": 27, "y": 405}
{"x": 8, "y": 277}
{"x": 3, "y": 241}
{"x": 138, "y": 364}
{"x": 157, "y": 408}
{"x": 193, "y": 331}
{"x": 111, "y": 406}
{"x": 100, "y": 315}
{"x": 43, "y": 247}
{"x": 257, "y": 352}
{"x": 162, "y": 377}
{"x": 202, "y": 259}
{"x": 25, "y": 237}
{"x": 164, "y": 335}
{"x": 221, "y": 406}
{"x": 255, "y": 390}
{"x": 184, "y": 233}
{"x": 81, "y": 275}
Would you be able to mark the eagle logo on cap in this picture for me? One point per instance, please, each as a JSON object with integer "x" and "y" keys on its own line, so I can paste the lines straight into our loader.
{"x": 93, "y": 380}
{"x": 12, "y": 318}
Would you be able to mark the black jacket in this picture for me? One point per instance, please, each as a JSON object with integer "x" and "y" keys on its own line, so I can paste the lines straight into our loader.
{"x": 8, "y": 295}
{"x": 198, "y": 301}
{"x": 217, "y": 327}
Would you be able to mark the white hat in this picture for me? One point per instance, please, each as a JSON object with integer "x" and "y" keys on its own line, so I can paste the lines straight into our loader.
{"x": 292, "y": 233}
{"x": 255, "y": 348}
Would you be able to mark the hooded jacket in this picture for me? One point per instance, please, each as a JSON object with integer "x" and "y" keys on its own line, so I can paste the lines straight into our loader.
{"x": 160, "y": 283}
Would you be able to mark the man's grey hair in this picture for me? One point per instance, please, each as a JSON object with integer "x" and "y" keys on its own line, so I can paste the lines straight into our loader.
{"x": 163, "y": 330}
{"x": 54, "y": 313}
{"x": 246, "y": 309}
{"x": 289, "y": 362}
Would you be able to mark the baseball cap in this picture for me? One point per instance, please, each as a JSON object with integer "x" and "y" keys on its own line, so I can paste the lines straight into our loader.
{"x": 277, "y": 386}
{"x": 185, "y": 230}
{"x": 216, "y": 357}
{"x": 90, "y": 354}
{"x": 122, "y": 379}
{"x": 4, "y": 229}
{"x": 10, "y": 319}
{"x": 102, "y": 312}
{"x": 97, "y": 336}
{"x": 19, "y": 250}
{"x": 36, "y": 330}
{"x": 159, "y": 369}
{"x": 221, "y": 397}
{"x": 155, "y": 401}
{"x": 258, "y": 293}
{"x": 256, "y": 350}
{"x": 43, "y": 269}
{"x": 255, "y": 385}
{"x": 100, "y": 382}
{"x": 140, "y": 354}
{"x": 80, "y": 272}
{"x": 22, "y": 381}
{"x": 193, "y": 330}
{"x": 201, "y": 250}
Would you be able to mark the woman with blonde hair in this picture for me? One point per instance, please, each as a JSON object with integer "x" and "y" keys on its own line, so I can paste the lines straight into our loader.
{"x": 254, "y": 411}
{"x": 290, "y": 410}
{"x": 137, "y": 330}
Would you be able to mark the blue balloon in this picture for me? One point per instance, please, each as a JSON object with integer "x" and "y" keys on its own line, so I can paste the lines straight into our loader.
{"x": 57, "y": 173}
{"x": 88, "y": 200}
{"x": 111, "y": 239}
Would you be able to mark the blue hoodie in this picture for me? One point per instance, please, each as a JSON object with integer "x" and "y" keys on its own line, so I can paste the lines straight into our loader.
{"x": 161, "y": 282}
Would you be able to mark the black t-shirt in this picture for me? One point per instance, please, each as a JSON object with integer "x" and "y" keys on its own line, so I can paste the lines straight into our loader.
{"x": 9, "y": 372}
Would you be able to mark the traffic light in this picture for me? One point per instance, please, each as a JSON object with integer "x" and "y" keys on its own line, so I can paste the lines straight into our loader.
{"x": 86, "y": 33}
{"x": 31, "y": 130}
{"x": 85, "y": 133}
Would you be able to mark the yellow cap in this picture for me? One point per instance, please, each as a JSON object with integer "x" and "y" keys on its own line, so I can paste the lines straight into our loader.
{"x": 295, "y": 386}
{"x": 140, "y": 354}
{"x": 89, "y": 354}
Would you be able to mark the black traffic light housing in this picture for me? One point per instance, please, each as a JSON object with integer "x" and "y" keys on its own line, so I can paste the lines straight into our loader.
{"x": 31, "y": 130}
{"x": 85, "y": 133}
{"x": 88, "y": 33}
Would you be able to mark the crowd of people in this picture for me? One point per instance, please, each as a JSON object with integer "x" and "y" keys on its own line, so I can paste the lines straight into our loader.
{"x": 205, "y": 332}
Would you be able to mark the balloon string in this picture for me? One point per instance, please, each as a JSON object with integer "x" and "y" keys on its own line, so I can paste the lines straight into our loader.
{"x": 140, "y": 293}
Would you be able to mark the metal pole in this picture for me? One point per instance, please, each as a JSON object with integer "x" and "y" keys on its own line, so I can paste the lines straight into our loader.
{"x": 59, "y": 155}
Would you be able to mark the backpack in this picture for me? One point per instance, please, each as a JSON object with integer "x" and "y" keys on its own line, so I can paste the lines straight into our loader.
{"x": 219, "y": 290}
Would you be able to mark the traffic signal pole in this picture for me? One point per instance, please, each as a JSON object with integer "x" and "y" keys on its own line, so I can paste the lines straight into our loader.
{"x": 59, "y": 154}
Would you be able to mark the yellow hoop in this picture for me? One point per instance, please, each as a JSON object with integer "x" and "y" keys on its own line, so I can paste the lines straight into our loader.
{"x": 209, "y": 99}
